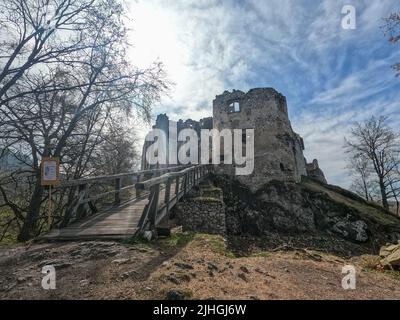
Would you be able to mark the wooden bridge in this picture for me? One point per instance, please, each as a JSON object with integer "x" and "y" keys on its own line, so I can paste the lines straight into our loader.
{"x": 151, "y": 196}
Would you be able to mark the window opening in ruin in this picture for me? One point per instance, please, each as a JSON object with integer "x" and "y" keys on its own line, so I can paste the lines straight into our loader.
{"x": 282, "y": 167}
{"x": 221, "y": 159}
{"x": 234, "y": 107}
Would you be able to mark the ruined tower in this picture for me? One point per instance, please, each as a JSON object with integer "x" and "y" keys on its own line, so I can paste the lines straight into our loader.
{"x": 278, "y": 150}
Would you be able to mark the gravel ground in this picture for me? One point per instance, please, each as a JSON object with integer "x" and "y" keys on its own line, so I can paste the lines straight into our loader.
{"x": 186, "y": 266}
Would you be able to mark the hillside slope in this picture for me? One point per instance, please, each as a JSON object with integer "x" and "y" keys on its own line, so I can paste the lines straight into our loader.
{"x": 286, "y": 241}
{"x": 185, "y": 266}
{"x": 310, "y": 209}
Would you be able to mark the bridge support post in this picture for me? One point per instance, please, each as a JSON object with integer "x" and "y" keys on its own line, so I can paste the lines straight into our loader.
{"x": 154, "y": 206}
{"x": 167, "y": 193}
{"x": 82, "y": 207}
{"x": 117, "y": 195}
{"x": 138, "y": 192}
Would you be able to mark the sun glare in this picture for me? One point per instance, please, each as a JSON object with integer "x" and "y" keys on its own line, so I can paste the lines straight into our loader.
{"x": 153, "y": 37}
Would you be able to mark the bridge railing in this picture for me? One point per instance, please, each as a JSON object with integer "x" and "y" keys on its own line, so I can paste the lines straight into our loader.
{"x": 84, "y": 196}
{"x": 176, "y": 185}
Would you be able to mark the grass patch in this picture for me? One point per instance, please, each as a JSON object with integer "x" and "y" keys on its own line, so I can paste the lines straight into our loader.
{"x": 389, "y": 273}
{"x": 206, "y": 199}
{"x": 216, "y": 242}
{"x": 176, "y": 240}
{"x": 372, "y": 211}
{"x": 10, "y": 236}
{"x": 139, "y": 243}
{"x": 262, "y": 254}
{"x": 370, "y": 264}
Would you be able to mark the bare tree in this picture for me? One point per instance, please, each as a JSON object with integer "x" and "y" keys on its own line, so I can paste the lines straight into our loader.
{"x": 363, "y": 184}
{"x": 392, "y": 32}
{"x": 376, "y": 141}
{"x": 118, "y": 153}
{"x": 43, "y": 32}
{"x": 393, "y": 183}
{"x": 61, "y": 85}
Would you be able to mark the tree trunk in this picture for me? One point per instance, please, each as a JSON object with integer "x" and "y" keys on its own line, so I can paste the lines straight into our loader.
{"x": 28, "y": 230}
{"x": 365, "y": 189}
{"x": 385, "y": 203}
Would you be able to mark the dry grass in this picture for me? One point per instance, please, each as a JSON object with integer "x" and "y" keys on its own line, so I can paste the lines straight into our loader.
{"x": 372, "y": 211}
{"x": 198, "y": 265}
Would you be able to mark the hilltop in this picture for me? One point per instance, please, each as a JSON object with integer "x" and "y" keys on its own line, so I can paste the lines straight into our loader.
{"x": 187, "y": 266}
{"x": 310, "y": 213}
{"x": 296, "y": 258}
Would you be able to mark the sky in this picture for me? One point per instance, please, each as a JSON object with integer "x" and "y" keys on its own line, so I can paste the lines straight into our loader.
{"x": 330, "y": 76}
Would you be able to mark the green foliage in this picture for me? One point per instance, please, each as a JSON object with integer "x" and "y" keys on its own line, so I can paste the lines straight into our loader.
{"x": 261, "y": 254}
{"x": 10, "y": 237}
{"x": 176, "y": 239}
{"x": 216, "y": 242}
{"x": 372, "y": 263}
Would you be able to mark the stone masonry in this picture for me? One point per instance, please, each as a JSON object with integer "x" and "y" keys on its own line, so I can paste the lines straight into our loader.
{"x": 314, "y": 171}
{"x": 202, "y": 211}
{"x": 278, "y": 150}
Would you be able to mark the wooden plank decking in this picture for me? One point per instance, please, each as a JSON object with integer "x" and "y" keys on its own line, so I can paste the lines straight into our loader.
{"x": 115, "y": 223}
{"x": 122, "y": 221}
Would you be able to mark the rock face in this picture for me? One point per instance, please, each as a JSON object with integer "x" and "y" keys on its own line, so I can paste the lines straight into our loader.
{"x": 307, "y": 208}
{"x": 304, "y": 208}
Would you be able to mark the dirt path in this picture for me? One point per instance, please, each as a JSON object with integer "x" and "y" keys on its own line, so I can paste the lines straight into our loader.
{"x": 189, "y": 266}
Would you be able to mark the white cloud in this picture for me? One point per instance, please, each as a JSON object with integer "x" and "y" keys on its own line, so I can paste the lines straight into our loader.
{"x": 330, "y": 76}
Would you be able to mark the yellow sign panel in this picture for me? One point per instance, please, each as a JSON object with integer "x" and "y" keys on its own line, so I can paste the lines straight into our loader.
{"x": 50, "y": 171}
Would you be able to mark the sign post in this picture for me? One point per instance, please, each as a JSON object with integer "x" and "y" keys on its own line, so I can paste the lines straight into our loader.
{"x": 50, "y": 176}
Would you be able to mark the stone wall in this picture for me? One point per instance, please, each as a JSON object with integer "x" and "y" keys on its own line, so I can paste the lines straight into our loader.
{"x": 162, "y": 122}
{"x": 278, "y": 150}
{"x": 203, "y": 210}
{"x": 314, "y": 171}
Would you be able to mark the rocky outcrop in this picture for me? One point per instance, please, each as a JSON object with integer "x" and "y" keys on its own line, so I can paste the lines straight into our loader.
{"x": 307, "y": 207}
{"x": 315, "y": 172}
{"x": 390, "y": 256}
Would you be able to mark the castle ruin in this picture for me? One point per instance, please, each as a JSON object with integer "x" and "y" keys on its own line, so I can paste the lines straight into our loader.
{"x": 278, "y": 150}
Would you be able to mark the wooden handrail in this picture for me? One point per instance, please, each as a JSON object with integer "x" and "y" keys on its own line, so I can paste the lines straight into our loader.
{"x": 182, "y": 181}
{"x": 154, "y": 211}
{"x": 77, "y": 182}
{"x": 146, "y": 185}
